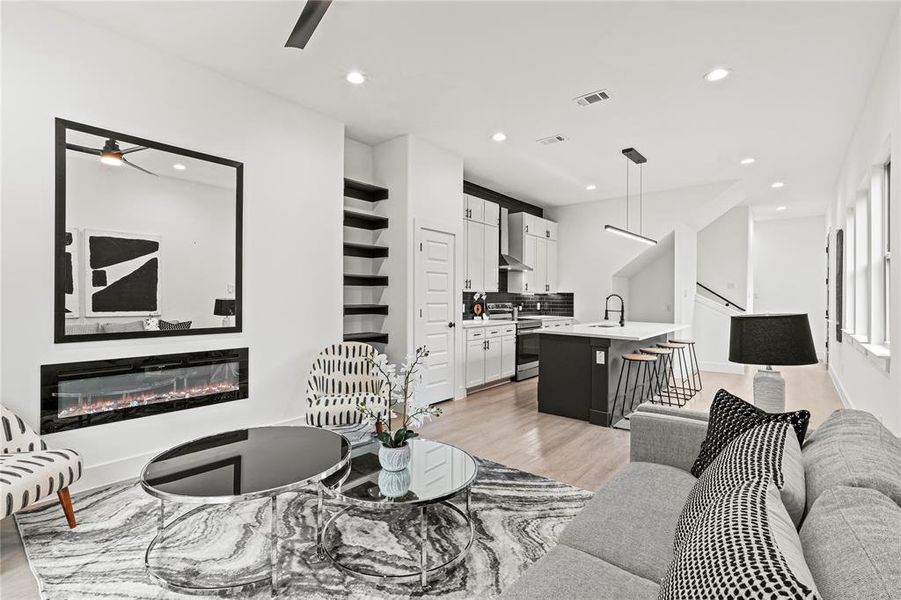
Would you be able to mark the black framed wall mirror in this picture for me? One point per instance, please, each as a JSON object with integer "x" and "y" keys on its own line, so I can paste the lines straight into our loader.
{"x": 148, "y": 238}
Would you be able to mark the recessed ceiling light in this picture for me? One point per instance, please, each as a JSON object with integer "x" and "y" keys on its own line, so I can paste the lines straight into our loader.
{"x": 748, "y": 161}
{"x": 500, "y": 136}
{"x": 717, "y": 74}
{"x": 356, "y": 78}
{"x": 591, "y": 187}
{"x": 780, "y": 208}
{"x": 777, "y": 184}
{"x": 179, "y": 167}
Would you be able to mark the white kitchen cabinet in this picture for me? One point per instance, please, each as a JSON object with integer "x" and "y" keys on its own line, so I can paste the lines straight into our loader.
{"x": 508, "y": 355}
{"x": 474, "y": 276}
{"x": 533, "y": 240}
{"x": 482, "y": 245}
{"x": 475, "y": 362}
{"x": 551, "y": 265}
{"x": 493, "y": 359}
{"x": 491, "y": 255}
{"x": 490, "y": 354}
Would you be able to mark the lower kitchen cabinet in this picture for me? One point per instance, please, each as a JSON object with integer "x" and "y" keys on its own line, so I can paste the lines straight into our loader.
{"x": 490, "y": 354}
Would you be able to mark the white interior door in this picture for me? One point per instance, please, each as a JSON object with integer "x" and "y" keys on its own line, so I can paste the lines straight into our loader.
{"x": 436, "y": 317}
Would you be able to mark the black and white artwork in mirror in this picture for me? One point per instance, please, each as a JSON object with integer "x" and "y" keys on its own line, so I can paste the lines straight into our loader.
{"x": 149, "y": 237}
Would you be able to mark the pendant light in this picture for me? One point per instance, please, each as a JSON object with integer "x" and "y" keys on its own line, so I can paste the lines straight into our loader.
{"x": 635, "y": 156}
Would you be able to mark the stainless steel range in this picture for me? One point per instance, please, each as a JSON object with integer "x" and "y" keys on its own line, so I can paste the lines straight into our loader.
{"x": 527, "y": 328}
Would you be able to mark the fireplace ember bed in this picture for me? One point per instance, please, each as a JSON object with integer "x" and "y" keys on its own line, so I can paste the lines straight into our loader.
{"x": 83, "y": 394}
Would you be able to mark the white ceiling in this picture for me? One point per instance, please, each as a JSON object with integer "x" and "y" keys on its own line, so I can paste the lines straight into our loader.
{"x": 455, "y": 72}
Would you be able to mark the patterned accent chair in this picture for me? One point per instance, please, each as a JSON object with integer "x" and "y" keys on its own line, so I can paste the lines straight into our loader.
{"x": 29, "y": 472}
{"x": 340, "y": 379}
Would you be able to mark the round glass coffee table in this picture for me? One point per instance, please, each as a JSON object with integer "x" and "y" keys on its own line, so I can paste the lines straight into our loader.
{"x": 437, "y": 473}
{"x": 238, "y": 466}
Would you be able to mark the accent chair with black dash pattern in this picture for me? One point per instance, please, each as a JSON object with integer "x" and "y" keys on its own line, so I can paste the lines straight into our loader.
{"x": 30, "y": 472}
{"x": 342, "y": 378}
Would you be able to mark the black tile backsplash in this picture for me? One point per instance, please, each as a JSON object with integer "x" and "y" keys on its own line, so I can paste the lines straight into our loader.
{"x": 551, "y": 304}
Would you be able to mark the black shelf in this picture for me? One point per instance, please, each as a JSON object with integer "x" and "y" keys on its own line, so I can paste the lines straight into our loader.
{"x": 368, "y": 280}
{"x": 365, "y": 309}
{"x": 359, "y": 219}
{"x": 367, "y": 336}
{"x": 365, "y": 250}
{"x": 364, "y": 191}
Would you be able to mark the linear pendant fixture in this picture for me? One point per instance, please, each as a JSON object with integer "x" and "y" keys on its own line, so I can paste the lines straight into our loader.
{"x": 636, "y": 157}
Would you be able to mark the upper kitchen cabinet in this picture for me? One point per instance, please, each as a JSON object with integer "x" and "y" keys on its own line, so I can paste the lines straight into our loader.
{"x": 482, "y": 244}
{"x": 533, "y": 241}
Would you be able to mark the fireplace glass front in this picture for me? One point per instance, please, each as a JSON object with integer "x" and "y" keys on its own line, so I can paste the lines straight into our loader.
{"x": 90, "y": 393}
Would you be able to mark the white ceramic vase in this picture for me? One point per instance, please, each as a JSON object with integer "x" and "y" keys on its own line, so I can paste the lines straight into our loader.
{"x": 394, "y": 459}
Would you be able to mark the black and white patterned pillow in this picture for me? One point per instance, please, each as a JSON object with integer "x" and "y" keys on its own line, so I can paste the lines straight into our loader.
{"x": 743, "y": 546}
{"x": 170, "y": 325}
{"x": 766, "y": 451}
{"x": 730, "y": 416}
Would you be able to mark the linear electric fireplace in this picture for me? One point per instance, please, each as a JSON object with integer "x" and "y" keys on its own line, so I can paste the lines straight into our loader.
{"x": 83, "y": 394}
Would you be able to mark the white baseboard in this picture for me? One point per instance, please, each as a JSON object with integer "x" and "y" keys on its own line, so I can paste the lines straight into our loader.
{"x": 722, "y": 367}
{"x": 842, "y": 394}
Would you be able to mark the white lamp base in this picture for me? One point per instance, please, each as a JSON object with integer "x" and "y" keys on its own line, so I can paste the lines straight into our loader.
{"x": 769, "y": 391}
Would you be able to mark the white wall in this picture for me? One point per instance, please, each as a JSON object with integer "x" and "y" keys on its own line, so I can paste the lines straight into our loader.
{"x": 724, "y": 257}
{"x": 863, "y": 381}
{"x": 790, "y": 271}
{"x": 589, "y": 257}
{"x": 197, "y": 249}
{"x": 54, "y": 65}
{"x": 358, "y": 161}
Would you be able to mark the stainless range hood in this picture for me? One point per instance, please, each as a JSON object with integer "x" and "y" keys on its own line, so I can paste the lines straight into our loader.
{"x": 507, "y": 262}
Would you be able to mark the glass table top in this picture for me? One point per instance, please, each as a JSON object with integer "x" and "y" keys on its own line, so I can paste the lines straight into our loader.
{"x": 245, "y": 464}
{"x": 436, "y": 472}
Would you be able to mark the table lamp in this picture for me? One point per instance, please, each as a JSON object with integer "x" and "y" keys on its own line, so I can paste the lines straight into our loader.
{"x": 780, "y": 340}
{"x": 225, "y": 308}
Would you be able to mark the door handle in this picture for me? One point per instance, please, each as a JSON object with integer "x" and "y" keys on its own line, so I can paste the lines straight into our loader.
{"x": 451, "y": 324}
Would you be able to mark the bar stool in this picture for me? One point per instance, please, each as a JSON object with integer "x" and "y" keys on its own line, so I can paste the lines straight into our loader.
{"x": 661, "y": 375}
{"x": 644, "y": 376}
{"x": 695, "y": 368}
{"x": 683, "y": 391}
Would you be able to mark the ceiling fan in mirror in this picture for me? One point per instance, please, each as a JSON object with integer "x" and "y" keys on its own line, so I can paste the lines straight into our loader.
{"x": 111, "y": 154}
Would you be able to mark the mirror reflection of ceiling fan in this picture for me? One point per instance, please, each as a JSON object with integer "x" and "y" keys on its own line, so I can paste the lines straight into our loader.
{"x": 112, "y": 154}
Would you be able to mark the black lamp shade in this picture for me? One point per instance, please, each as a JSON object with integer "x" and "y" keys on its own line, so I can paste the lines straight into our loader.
{"x": 224, "y": 307}
{"x": 771, "y": 340}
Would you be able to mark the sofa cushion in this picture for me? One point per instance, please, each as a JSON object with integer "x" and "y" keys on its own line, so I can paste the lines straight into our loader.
{"x": 730, "y": 416}
{"x": 631, "y": 521}
{"x": 568, "y": 573}
{"x": 852, "y": 542}
{"x": 112, "y": 327}
{"x": 743, "y": 546}
{"x": 768, "y": 450}
{"x": 852, "y": 448}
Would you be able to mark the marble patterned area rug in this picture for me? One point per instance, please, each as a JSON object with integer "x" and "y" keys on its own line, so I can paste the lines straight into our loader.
{"x": 518, "y": 517}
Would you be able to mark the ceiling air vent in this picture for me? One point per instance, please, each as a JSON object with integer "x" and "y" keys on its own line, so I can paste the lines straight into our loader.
{"x": 592, "y": 98}
{"x": 553, "y": 139}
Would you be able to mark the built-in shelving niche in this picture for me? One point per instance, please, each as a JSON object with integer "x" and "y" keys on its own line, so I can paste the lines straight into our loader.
{"x": 364, "y": 258}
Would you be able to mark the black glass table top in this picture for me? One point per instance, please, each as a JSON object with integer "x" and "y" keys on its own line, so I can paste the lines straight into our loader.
{"x": 245, "y": 464}
{"x": 437, "y": 471}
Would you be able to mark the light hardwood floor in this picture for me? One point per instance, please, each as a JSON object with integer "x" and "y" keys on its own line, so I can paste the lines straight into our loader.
{"x": 503, "y": 424}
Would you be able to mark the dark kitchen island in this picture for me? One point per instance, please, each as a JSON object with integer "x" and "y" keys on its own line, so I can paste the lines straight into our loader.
{"x": 579, "y": 365}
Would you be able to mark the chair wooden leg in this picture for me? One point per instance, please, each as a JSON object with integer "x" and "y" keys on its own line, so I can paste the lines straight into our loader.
{"x": 66, "y": 501}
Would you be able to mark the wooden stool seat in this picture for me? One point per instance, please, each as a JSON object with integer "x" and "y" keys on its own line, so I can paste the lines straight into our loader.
{"x": 672, "y": 345}
{"x": 639, "y": 357}
{"x": 657, "y": 351}
{"x": 689, "y": 342}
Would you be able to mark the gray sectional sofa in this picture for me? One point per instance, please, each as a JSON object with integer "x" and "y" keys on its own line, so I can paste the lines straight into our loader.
{"x": 620, "y": 546}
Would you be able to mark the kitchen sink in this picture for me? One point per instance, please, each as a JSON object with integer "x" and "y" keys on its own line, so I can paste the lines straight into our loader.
{"x": 605, "y": 325}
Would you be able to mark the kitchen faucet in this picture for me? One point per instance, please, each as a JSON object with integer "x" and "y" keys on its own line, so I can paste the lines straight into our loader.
{"x": 621, "y": 311}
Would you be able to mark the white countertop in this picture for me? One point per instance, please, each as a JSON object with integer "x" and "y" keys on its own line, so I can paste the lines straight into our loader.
{"x": 486, "y": 323}
{"x": 632, "y": 331}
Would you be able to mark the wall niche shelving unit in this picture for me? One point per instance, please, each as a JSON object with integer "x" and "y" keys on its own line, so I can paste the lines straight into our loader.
{"x": 363, "y": 255}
